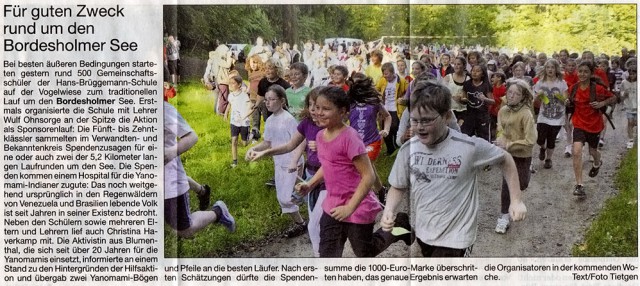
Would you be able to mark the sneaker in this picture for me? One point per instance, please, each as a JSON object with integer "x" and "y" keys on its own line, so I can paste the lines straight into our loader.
{"x": 543, "y": 154}
{"x": 503, "y": 224}
{"x": 601, "y": 143}
{"x": 567, "y": 151}
{"x": 233, "y": 165}
{"x": 382, "y": 195}
{"x": 225, "y": 219}
{"x": 296, "y": 229}
{"x": 548, "y": 164}
{"x": 532, "y": 169}
{"x": 204, "y": 197}
{"x": 271, "y": 182}
{"x": 402, "y": 220}
{"x": 630, "y": 144}
{"x": 256, "y": 134}
{"x": 594, "y": 170}
{"x": 579, "y": 191}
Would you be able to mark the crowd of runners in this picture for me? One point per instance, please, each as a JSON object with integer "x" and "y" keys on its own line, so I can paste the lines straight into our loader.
{"x": 444, "y": 113}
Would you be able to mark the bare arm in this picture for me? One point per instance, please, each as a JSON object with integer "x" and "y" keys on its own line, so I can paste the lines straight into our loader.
{"x": 295, "y": 141}
{"x": 394, "y": 197}
{"x": 184, "y": 143}
{"x": 304, "y": 187}
{"x": 297, "y": 153}
{"x": 261, "y": 146}
{"x": 517, "y": 209}
{"x": 386, "y": 117}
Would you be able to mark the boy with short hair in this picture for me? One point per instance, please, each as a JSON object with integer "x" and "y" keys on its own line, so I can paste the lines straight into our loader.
{"x": 439, "y": 167}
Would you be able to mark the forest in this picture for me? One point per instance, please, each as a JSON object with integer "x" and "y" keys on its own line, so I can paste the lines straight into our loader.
{"x": 545, "y": 28}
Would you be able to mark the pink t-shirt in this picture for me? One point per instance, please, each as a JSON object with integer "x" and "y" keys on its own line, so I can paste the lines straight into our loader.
{"x": 341, "y": 176}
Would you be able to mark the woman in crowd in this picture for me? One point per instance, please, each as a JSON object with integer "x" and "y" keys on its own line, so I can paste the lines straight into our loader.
{"x": 454, "y": 82}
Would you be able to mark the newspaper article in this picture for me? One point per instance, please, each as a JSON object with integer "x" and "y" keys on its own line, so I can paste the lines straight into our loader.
{"x": 119, "y": 167}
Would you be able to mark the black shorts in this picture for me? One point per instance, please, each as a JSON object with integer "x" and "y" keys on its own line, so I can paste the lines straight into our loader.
{"x": 582, "y": 136}
{"x": 176, "y": 212}
{"x": 440, "y": 251}
{"x": 243, "y": 131}
{"x": 173, "y": 66}
{"x": 547, "y": 134}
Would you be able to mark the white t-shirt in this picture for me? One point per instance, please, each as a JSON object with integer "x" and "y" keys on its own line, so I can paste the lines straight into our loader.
{"x": 175, "y": 178}
{"x": 278, "y": 129}
{"x": 553, "y": 112}
{"x": 442, "y": 185}
{"x": 240, "y": 108}
{"x": 390, "y": 96}
{"x": 630, "y": 89}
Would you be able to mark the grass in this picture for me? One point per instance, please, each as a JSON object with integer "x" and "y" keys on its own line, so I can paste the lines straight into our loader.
{"x": 253, "y": 205}
{"x": 614, "y": 233}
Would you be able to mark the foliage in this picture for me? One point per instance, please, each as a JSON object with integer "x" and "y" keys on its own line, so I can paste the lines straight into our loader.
{"x": 549, "y": 28}
{"x": 615, "y": 230}
{"x": 544, "y": 28}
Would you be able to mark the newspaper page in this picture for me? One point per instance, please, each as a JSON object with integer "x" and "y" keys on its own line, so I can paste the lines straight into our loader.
{"x": 118, "y": 167}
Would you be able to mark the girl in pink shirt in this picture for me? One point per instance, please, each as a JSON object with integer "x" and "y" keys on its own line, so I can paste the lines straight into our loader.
{"x": 350, "y": 207}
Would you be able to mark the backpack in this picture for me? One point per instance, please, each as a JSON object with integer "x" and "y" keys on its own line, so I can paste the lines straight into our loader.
{"x": 592, "y": 98}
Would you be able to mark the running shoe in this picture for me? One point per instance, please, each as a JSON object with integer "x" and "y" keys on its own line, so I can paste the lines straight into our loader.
{"x": 271, "y": 182}
{"x": 225, "y": 219}
{"x": 548, "y": 164}
{"x": 567, "y": 151}
{"x": 594, "y": 170}
{"x": 579, "y": 191}
{"x": 503, "y": 224}
{"x": 630, "y": 144}
{"x": 296, "y": 229}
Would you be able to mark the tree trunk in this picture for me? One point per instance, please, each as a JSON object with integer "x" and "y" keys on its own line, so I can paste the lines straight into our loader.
{"x": 289, "y": 24}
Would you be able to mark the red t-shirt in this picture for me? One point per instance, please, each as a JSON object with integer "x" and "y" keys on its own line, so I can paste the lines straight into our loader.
{"x": 498, "y": 93}
{"x": 602, "y": 75}
{"x": 344, "y": 86}
{"x": 571, "y": 78}
{"x": 586, "y": 117}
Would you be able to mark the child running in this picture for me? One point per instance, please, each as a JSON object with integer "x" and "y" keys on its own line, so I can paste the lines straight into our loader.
{"x": 551, "y": 89}
{"x": 439, "y": 167}
{"x": 587, "y": 120}
{"x": 629, "y": 92}
{"x": 178, "y": 138}
{"x": 279, "y": 128}
{"x": 305, "y": 137}
{"x": 350, "y": 207}
{"x": 366, "y": 107}
{"x": 240, "y": 108}
{"x": 517, "y": 135}
{"x": 570, "y": 76}
{"x": 499, "y": 90}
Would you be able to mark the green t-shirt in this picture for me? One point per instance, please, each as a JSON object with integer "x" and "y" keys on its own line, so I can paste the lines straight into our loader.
{"x": 296, "y": 99}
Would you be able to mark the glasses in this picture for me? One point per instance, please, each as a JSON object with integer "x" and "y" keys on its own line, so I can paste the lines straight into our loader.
{"x": 423, "y": 121}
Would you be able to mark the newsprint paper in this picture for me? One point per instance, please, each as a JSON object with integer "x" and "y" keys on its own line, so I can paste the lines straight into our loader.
{"x": 85, "y": 193}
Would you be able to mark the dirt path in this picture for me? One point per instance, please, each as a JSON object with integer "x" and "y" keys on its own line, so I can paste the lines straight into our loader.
{"x": 556, "y": 220}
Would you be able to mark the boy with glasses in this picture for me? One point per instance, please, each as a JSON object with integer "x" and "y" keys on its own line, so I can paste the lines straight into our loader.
{"x": 439, "y": 167}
